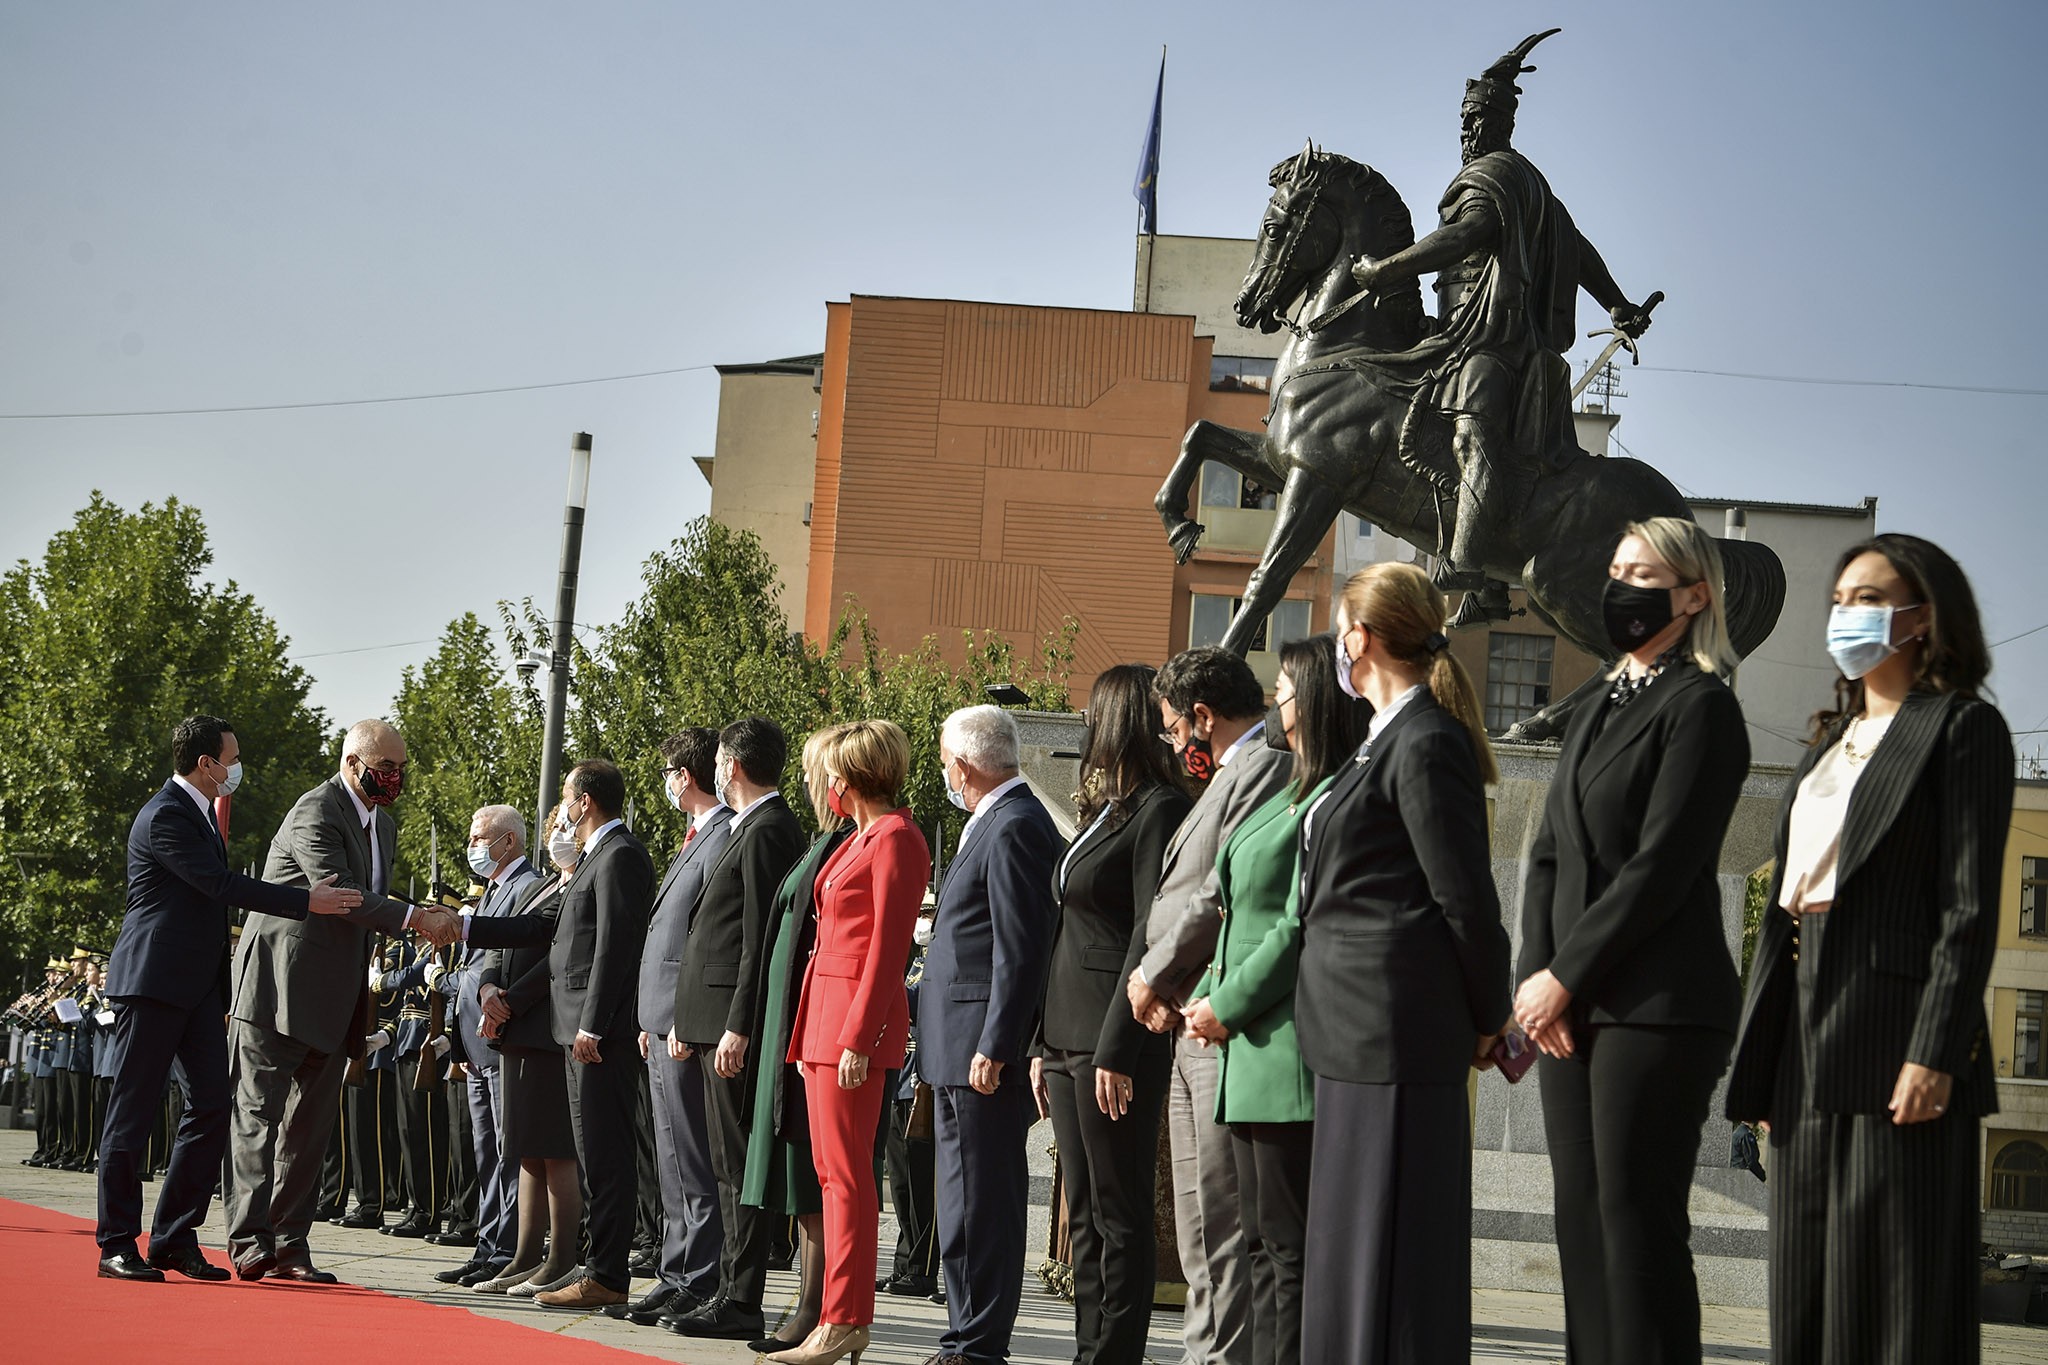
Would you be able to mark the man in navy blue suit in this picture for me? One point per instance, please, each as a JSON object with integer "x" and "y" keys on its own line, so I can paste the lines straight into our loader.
{"x": 168, "y": 982}
{"x": 984, "y": 980}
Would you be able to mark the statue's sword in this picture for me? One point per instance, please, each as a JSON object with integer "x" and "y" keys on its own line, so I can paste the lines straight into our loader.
{"x": 1623, "y": 341}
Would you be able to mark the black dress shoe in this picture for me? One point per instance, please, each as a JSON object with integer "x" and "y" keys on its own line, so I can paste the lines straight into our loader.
{"x": 454, "y": 1237}
{"x": 772, "y": 1342}
{"x": 187, "y": 1261}
{"x": 649, "y": 1308}
{"x": 298, "y": 1272}
{"x": 642, "y": 1264}
{"x": 360, "y": 1217}
{"x": 909, "y": 1286}
{"x": 254, "y": 1265}
{"x": 722, "y": 1319}
{"x": 489, "y": 1270}
{"x": 455, "y": 1274}
{"x": 407, "y": 1229}
{"x": 129, "y": 1266}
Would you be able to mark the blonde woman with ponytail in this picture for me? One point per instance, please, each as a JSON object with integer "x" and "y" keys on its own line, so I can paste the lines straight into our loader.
{"x": 1402, "y": 987}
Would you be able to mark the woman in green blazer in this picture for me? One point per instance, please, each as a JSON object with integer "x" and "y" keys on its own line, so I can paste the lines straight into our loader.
{"x": 1265, "y": 1092}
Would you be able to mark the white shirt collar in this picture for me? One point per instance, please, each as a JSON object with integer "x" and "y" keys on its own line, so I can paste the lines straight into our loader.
{"x": 362, "y": 807}
{"x": 1382, "y": 719}
{"x": 509, "y": 870}
{"x": 1258, "y": 729}
{"x": 987, "y": 802}
{"x": 205, "y": 806}
{"x": 597, "y": 835}
{"x": 743, "y": 812}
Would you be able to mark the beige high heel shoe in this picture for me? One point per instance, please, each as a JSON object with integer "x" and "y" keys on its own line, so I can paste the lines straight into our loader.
{"x": 827, "y": 1342}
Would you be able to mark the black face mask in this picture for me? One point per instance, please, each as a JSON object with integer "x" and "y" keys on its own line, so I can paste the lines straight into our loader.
{"x": 1634, "y": 615}
{"x": 381, "y": 789}
{"x": 1276, "y": 733}
{"x": 1197, "y": 759}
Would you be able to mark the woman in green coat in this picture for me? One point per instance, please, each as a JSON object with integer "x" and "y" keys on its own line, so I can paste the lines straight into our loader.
{"x": 1264, "y": 1091}
{"x": 780, "y": 1176}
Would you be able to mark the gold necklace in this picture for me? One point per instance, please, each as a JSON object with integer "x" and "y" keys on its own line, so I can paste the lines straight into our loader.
{"x": 1850, "y": 751}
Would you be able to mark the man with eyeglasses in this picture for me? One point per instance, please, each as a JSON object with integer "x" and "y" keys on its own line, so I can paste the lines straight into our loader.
{"x": 1212, "y": 710}
{"x": 300, "y": 1005}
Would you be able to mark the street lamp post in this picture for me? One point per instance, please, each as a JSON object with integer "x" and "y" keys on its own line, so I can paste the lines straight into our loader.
{"x": 565, "y": 625}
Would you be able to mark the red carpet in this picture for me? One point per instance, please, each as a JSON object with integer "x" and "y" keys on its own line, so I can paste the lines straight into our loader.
{"x": 61, "y": 1311}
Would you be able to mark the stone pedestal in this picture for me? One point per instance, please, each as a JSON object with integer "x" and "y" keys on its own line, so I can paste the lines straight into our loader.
{"x": 1514, "y": 1243}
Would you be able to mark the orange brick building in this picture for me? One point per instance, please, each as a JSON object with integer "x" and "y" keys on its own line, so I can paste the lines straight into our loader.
{"x": 991, "y": 467}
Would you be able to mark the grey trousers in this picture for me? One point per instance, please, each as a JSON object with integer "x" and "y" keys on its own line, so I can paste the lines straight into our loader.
{"x": 692, "y": 1231}
{"x": 1216, "y": 1326}
{"x": 286, "y": 1097}
{"x": 497, "y": 1180}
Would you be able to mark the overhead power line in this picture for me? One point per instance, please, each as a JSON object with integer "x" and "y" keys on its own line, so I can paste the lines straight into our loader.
{"x": 1850, "y": 383}
{"x": 351, "y": 402}
{"x": 1821, "y": 381}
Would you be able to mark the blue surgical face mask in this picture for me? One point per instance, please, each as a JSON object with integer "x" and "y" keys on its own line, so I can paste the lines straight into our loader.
{"x": 481, "y": 862}
{"x": 1344, "y": 663}
{"x": 957, "y": 795}
{"x": 233, "y": 779}
{"x": 1860, "y": 638}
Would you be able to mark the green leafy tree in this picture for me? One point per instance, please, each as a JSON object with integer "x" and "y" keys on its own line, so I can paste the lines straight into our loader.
{"x": 707, "y": 642}
{"x": 106, "y": 643}
{"x": 472, "y": 739}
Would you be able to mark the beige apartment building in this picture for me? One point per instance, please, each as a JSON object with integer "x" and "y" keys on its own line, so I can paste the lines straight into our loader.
{"x": 2016, "y": 1137}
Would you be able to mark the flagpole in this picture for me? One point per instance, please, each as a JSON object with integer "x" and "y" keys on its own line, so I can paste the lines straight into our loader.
{"x": 1157, "y": 137}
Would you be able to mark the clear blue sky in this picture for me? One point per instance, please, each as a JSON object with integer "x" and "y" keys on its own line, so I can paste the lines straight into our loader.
{"x": 221, "y": 205}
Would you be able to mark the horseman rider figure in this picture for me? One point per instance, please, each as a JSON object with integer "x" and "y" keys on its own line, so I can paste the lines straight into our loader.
{"x": 1510, "y": 264}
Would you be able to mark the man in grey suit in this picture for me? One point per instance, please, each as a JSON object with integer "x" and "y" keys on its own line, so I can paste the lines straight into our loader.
{"x": 298, "y": 988}
{"x": 692, "y": 1231}
{"x": 1213, "y": 709}
{"x": 497, "y": 855}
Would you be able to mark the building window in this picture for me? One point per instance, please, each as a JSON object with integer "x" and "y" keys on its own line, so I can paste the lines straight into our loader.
{"x": 1364, "y": 529}
{"x": 1223, "y": 486}
{"x": 1517, "y": 677}
{"x": 2034, "y": 898}
{"x": 2019, "y": 1177}
{"x": 1209, "y": 616}
{"x": 2028, "y": 1063}
{"x": 1238, "y": 373}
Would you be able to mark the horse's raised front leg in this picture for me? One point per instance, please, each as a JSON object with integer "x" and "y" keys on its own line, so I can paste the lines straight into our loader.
{"x": 1307, "y": 506}
{"x": 1243, "y": 451}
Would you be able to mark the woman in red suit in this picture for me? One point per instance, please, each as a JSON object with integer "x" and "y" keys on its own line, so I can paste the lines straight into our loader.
{"x": 854, "y": 1017}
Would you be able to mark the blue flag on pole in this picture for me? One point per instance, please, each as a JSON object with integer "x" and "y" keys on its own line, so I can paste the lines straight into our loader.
{"x": 1146, "y": 188}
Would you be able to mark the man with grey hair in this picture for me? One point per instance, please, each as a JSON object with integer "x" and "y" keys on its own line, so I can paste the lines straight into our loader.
{"x": 984, "y": 980}
{"x": 299, "y": 1005}
{"x": 497, "y": 856}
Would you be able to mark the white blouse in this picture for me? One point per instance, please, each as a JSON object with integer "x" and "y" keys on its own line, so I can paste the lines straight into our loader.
{"x": 1813, "y": 844}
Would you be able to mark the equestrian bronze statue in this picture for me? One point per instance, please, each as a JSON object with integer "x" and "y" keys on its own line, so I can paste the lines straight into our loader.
{"x": 1454, "y": 432}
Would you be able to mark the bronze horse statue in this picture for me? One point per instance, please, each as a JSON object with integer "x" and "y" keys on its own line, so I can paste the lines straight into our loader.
{"x": 1340, "y": 438}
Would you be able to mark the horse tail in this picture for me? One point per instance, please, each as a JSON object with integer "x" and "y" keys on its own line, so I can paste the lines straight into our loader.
{"x": 1753, "y": 590}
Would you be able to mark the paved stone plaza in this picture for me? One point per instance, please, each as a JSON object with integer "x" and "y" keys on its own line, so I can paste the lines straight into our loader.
{"x": 1508, "y": 1326}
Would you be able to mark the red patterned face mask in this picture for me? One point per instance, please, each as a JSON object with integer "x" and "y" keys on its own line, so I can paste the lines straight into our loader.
{"x": 1198, "y": 759}
{"x": 381, "y": 788}
{"x": 835, "y": 801}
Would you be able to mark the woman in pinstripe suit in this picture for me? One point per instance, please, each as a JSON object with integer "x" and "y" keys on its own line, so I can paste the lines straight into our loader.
{"x": 1862, "y": 1041}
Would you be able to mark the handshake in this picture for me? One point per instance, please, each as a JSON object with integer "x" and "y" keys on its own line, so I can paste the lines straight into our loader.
{"x": 436, "y": 925}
